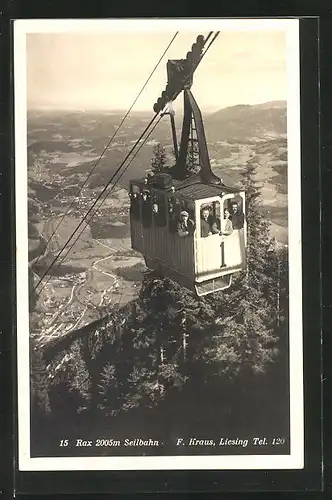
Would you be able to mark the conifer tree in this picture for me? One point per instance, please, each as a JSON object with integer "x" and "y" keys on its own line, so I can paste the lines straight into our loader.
{"x": 245, "y": 341}
{"x": 40, "y": 402}
{"x": 258, "y": 229}
{"x": 108, "y": 386}
{"x": 278, "y": 275}
{"x": 159, "y": 159}
{"x": 267, "y": 259}
{"x": 166, "y": 313}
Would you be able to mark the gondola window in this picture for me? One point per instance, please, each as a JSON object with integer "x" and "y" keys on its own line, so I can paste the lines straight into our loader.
{"x": 146, "y": 209}
{"x": 135, "y": 202}
{"x": 159, "y": 210}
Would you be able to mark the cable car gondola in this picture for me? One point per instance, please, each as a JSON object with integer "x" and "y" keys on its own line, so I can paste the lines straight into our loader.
{"x": 191, "y": 229}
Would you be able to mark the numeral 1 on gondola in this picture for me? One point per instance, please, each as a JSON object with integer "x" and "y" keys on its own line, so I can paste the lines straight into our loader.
{"x": 222, "y": 247}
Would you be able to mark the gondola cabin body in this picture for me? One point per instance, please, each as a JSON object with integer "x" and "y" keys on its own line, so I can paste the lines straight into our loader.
{"x": 189, "y": 227}
{"x": 199, "y": 261}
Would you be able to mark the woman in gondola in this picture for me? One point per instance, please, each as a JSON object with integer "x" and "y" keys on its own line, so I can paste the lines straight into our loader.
{"x": 226, "y": 226}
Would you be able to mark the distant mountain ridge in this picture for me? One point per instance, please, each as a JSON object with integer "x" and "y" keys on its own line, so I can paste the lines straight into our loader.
{"x": 272, "y": 104}
{"x": 239, "y": 122}
{"x": 245, "y": 121}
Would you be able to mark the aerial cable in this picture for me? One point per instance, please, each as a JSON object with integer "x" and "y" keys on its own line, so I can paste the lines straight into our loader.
{"x": 111, "y": 189}
{"x": 133, "y": 158}
{"x": 108, "y": 145}
{"x": 96, "y": 210}
{"x": 103, "y": 191}
{"x": 213, "y": 39}
{"x": 96, "y": 200}
{"x": 93, "y": 205}
{"x": 207, "y": 38}
{"x": 109, "y": 182}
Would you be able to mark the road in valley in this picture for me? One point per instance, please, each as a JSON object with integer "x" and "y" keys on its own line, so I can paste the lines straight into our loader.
{"x": 102, "y": 271}
{"x": 60, "y": 324}
{"x": 50, "y": 227}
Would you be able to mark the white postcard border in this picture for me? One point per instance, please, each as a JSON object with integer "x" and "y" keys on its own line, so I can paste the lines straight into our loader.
{"x": 250, "y": 462}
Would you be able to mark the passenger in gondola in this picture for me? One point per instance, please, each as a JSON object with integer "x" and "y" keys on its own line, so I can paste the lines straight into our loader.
{"x": 226, "y": 227}
{"x": 158, "y": 214}
{"x": 185, "y": 226}
{"x": 208, "y": 223}
{"x": 155, "y": 209}
{"x": 134, "y": 205}
{"x": 146, "y": 209}
{"x": 170, "y": 207}
{"x": 173, "y": 219}
{"x": 145, "y": 196}
{"x": 237, "y": 216}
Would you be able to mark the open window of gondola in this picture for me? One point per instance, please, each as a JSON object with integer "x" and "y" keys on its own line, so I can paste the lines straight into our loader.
{"x": 236, "y": 212}
{"x": 216, "y": 213}
{"x": 146, "y": 208}
{"x": 189, "y": 207}
{"x": 159, "y": 209}
{"x": 135, "y": 201}
{"x": 174, "y": 209}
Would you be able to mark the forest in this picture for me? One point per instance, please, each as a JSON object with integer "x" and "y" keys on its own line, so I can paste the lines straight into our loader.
{"x": 174, "y": 364}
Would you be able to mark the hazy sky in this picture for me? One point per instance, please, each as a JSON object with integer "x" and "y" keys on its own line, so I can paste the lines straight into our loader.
{"x": 106, "y": 71}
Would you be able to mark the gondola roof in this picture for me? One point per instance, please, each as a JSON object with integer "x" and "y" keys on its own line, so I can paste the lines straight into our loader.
{"x": 199, "y": 190}
{"x": 192, "y": 188}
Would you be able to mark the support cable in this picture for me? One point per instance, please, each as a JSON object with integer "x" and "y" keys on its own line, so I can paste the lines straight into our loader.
{"x": 107, "y": 146}
{"x": 110, "y": 181}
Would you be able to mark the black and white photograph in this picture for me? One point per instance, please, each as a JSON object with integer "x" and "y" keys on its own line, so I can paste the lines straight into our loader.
{"x": 158, "y": 244}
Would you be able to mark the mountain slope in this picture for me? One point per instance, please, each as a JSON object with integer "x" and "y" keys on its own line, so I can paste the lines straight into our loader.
{"x": 245, "y": 121}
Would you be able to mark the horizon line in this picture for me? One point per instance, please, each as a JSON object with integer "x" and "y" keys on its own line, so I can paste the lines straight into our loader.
{"x": 145, "y": 110}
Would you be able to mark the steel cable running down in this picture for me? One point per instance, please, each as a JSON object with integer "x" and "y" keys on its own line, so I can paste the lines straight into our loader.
{"x": 107, "y": 146}
{"x": 110, "y": 181}
{"x": 94, "y": 204}
{"x": 96, "y": 210}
